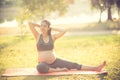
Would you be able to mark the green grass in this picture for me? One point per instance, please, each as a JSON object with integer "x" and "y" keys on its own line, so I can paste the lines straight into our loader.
{"x": 20, "y": 51}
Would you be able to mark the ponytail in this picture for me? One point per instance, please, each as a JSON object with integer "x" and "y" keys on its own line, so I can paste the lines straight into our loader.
{"x": 49, "y": 31}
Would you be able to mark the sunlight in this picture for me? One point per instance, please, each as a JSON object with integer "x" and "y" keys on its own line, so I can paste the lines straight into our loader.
{"x": 83, "y": 18}
{"x": 75, "y": 15}
{"x": 9, "y": 24}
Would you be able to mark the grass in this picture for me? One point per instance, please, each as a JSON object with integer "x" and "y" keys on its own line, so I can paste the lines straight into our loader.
{"x": 20, "y": 51}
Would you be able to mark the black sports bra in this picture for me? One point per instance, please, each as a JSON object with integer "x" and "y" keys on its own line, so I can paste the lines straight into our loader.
{"x": 42, "y": 46}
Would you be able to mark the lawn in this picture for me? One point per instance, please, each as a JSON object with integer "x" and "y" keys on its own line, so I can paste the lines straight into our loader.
{"x": 20, "y": 52}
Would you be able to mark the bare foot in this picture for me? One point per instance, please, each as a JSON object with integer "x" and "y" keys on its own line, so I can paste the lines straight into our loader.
{"x": 99, "y": 68}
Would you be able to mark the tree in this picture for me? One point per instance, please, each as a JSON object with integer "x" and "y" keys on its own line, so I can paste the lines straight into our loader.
{"x": 102, "y": 5}
{"x": 8, "y": 10}
{"x": 108, "y": 5}
{"x": 118, "y": 6}
{"x": 40, "y": 9}
{"x": 43, "y": 8}
{"x": 98, "y": 4}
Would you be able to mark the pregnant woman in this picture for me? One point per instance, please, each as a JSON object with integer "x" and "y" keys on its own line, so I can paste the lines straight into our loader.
{"x": 47, "y": 61}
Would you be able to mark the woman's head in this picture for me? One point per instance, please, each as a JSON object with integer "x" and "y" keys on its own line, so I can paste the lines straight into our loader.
{"x": 45, "y": 27}
{"x": 45, "y": 23}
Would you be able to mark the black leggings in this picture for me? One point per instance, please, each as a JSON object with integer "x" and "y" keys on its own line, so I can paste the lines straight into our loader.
{"x": 58, "y": 63}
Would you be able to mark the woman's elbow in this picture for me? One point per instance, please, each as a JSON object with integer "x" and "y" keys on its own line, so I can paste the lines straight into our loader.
{"x": 65, "y": 31}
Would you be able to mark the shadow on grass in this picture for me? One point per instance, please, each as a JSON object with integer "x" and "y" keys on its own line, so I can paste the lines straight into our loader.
{"x": 2, "y": 69}
{"x": 64, "y": 77}
{"x": 2, "y": 46}
{"x": 115, "y": 71}
{"x": 38, "y": 78}
{"x": 16, "y": 39}
{"x": 47, "y": 77}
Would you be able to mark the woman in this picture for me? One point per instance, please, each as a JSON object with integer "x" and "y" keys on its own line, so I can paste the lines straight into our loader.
{"x": 45, "y": 45}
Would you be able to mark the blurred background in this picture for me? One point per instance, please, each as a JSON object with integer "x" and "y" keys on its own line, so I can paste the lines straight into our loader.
{"x": 93, "y": 34}
{"x": 75, "y": 15}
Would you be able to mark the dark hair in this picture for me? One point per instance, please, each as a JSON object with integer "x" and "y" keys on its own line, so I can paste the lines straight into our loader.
{"x": 48, "y": 23}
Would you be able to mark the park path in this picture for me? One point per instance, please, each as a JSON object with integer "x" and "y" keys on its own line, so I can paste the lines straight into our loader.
{"x": 80, "y": 33}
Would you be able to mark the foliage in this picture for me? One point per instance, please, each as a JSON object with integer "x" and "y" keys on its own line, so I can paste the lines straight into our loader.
{"x": 43, "y": 8}
{"x": 118, "y": 3}
{"x": 118, "y": 6}
{"x": 7, "y": 12}
{"x": 104, "y": 4}
{"x": 39, "y": 9}
{"x": 98, "y": 4}
{"x": 8, "y": 3}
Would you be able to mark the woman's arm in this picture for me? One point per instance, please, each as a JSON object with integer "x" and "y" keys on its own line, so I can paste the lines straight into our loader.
{"x": 33, "y": 30}
{"x": 60, "y": 33}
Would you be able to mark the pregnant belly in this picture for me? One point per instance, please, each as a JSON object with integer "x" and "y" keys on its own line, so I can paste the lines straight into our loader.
{"x": 46, "y": 57}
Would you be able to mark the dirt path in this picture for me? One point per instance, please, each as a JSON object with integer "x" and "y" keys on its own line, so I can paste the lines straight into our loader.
{"x": 92, "y": 33}
{"x": 83, "y": 33}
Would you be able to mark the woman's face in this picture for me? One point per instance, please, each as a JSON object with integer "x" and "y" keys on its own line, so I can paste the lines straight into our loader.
{"x": 44, "y": 27}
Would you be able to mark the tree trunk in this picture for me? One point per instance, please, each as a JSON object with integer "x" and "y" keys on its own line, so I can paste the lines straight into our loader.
{"x": 119, "y": 12}
{"x": 21, "y": 27}
{"x": 100, "y": 16}
{"x": 109, "y": 14}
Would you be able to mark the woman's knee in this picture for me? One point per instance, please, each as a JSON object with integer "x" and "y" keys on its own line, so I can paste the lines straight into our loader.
{"x": 76, "y": 66}
{"x": 42, "y": 68}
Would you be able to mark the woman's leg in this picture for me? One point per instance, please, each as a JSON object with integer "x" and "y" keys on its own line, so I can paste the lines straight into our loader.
{"x": 96, "y": 68}
{"x": 44, "y": 68}
{"x": 59, "y": 63}
{"x": 62, "y": 65}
